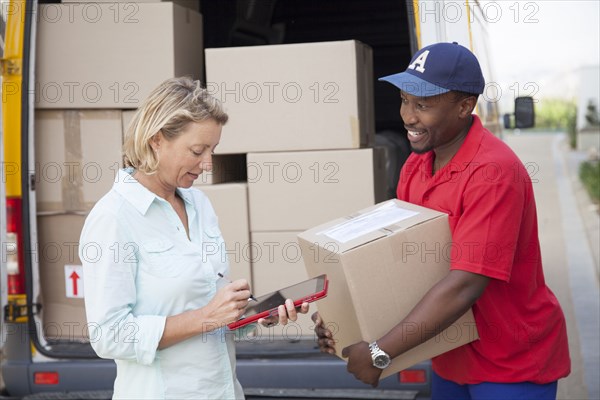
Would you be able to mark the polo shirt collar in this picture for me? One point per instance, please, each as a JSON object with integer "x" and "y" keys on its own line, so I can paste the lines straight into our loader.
{"x": 461, "y": 159}
{"x": 138, "y": 195}
{"x": 469, "y": 147}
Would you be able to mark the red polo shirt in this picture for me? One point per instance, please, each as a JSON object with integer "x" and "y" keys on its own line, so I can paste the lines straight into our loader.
{"x": 488, "y": 195}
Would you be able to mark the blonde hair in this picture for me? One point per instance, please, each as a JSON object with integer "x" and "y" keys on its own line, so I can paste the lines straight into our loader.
{"x": 168, "y": 109}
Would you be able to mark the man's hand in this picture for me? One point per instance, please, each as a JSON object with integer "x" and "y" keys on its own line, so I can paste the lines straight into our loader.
{"x": 360, "y": 363}
{"x": 324, "y": 335}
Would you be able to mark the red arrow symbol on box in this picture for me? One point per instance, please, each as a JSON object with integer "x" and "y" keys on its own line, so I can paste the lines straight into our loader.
{"x": 74, "y": 276}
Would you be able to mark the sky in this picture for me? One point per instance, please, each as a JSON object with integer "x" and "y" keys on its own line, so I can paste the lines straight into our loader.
{"x": 545, "y": 42}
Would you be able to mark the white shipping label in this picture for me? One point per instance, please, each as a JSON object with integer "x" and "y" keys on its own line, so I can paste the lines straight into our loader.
{"x": 74, "y": 281}
{"x": 387, "y": 214}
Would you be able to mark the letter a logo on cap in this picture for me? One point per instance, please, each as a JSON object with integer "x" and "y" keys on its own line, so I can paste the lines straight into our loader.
{"x": 419, "y": 63}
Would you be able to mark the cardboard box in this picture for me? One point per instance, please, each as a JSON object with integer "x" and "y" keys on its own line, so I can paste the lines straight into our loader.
{"x": 230, "y": 202}
{"x": 111, "y": 55}
{"x": 78, "y": 154}
{"x": 380, "y": 262}
{"x": 63, "y": 318}
{"x": 277, "y": 263}
{"x": 297, "y": 190}
{"x": 309, "y": 96}
{"x": 126, "y": 117}
{"x": 191, "y": 4}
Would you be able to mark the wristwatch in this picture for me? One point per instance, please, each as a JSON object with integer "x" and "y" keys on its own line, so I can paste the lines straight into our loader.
{"x": 380, "y": 358}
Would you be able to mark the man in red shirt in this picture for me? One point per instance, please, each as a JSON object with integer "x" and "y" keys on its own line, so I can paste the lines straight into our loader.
{"x": 460, "y": 168}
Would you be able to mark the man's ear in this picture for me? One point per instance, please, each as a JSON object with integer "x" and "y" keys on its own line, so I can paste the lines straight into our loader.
{"x": 467, "y": 105}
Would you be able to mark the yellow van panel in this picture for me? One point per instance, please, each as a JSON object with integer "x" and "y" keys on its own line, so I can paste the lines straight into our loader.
{"x": 11, "y": 97}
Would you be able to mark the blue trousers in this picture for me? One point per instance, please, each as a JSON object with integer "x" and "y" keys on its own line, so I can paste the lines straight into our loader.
{"x": 442, "y": 389}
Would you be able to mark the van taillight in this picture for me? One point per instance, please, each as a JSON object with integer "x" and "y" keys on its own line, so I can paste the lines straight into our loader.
{"x": 12, "y": 248}
{"x": 413, "y": 376}
{"x": 46, "y": 378}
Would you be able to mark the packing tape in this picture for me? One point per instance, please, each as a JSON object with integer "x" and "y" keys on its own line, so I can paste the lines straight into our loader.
{"x": 72, "y": 181}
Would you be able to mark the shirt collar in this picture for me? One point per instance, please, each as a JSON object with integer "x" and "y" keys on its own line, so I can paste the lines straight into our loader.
{"x": 138, "y": 195}
{"x": 469, "y": 147}
{"x": 186, "y": 195}
{"x": 460, "y": 161}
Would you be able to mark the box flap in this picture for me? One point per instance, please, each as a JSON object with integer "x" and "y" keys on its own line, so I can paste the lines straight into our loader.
{"x": 370, "y": 224}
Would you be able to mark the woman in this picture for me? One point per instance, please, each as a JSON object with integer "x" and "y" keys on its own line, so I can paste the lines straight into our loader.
{"x": 154, "y": 299}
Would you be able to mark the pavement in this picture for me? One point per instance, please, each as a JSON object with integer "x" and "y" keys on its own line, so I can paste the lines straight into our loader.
{"x": 568, "y": 229}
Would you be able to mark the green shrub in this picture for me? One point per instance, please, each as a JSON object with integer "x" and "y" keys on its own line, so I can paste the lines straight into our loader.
{"x": 589, "y": 173}
{"x": 558, "y": 114}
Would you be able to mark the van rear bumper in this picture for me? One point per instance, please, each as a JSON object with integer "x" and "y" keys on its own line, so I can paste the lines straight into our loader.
{"x": 76, "y": 375}
{"x": 265, "y": 370}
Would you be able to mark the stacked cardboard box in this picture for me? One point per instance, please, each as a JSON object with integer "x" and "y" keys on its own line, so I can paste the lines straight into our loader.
{"x": 105, "y": 55}
{"x": 93, "y": 61}
{"x": 303, "y": 116}
{"x": 308, "y": 96}
{"x": 71, "y": 175}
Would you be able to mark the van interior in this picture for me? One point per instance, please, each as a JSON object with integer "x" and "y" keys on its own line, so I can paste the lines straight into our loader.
{"x": 383, "y": 25}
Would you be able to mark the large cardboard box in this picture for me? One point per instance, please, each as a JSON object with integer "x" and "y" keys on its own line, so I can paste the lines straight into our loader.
{"x": 126, "y": 117}
{"x": 111, "y": 55}
{"x": 380, "y": 262}
{"x": 78, "y": 154}
{"x": 297, "y": 190}
{"x": 63, "y": 318}
{"x": 277, "y": 263}
{"x": 230, "y": 202}
{"x": 309, "y": 96}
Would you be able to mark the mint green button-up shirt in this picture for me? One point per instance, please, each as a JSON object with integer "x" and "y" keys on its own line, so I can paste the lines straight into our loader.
{"x": 140, "y": 267}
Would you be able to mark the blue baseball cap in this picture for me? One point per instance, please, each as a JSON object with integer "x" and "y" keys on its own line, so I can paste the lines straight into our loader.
{"x": 440, "y": 68}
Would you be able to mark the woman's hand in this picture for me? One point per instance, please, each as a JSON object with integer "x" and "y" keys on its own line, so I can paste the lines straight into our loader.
{"x": 286, "y": 312}
{"x": 229, "y": 304}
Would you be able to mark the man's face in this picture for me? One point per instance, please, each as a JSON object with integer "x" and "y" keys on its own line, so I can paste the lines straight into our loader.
{"x": 436, "y": 122}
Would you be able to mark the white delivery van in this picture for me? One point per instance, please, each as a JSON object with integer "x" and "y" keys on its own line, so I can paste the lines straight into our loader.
{"x": 62, "y": 125}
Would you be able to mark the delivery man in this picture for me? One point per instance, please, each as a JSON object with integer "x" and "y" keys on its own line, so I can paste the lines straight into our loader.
{"x": 460, "y": 168}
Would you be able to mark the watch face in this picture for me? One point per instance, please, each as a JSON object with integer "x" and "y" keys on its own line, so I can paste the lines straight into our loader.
{"x": 382, "y": 361}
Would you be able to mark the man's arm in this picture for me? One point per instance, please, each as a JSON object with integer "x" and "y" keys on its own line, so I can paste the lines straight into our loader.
{"x": 443, "y": 304}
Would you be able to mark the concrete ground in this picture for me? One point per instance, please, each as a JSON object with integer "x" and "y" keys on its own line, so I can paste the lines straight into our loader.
{"x": 568, "y": 225}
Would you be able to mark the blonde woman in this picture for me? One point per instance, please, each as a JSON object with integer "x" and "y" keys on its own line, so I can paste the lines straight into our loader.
{"x": 154, "y": 300}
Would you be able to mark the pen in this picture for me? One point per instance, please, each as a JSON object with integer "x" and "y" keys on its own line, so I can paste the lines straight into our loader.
{"x": 229, "y": 280}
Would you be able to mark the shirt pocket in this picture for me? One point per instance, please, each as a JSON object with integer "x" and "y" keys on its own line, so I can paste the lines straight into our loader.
{"x": 212, "y": 236}
{"x": 163, "y": 259}
{"x": 212, "y": 231}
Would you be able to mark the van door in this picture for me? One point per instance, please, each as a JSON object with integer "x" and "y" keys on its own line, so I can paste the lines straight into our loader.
{"x": 3, "y": 242}
{"x": 3, "y": 236}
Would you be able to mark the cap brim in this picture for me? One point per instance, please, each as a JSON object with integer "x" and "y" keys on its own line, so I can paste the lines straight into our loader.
{"x": 414, "y": 85}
